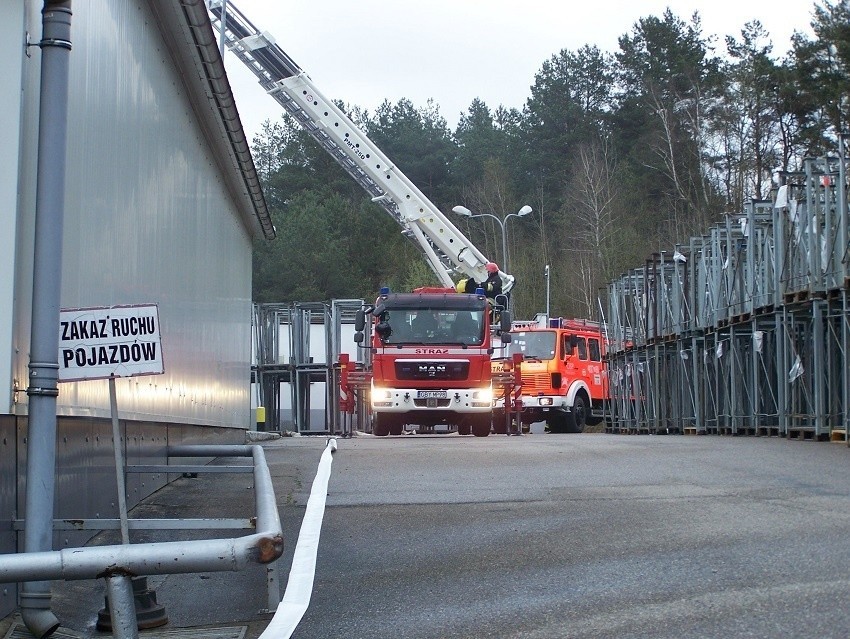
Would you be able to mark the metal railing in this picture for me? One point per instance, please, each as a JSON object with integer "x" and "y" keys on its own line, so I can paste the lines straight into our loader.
{"x": 118, "y": 563}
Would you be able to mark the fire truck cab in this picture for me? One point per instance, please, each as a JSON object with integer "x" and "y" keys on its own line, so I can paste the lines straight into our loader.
{"x": 430, "y": 354}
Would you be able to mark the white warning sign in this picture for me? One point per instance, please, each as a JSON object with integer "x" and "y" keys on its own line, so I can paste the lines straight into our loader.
{"x": 114, "y": 341}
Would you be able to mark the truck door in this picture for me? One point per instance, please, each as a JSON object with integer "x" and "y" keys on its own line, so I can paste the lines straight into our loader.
{"x": 595, "y": 372}
{"x": 573, "y": 348}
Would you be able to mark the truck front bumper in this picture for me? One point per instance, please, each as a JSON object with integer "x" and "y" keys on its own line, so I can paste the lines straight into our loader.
{"x": 459, "y": 400}
{"x": 541, "y": 403}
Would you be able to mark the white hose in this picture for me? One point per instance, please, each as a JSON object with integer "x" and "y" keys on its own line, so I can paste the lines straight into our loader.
{"x": 299, "y": 587}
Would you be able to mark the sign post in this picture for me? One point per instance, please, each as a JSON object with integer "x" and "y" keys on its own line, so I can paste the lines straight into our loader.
{"x": 105, "y": 343}
{"x": 119, "y": 463}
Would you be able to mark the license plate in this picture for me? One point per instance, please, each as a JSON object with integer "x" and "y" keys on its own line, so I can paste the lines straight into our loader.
{"x": 436, "y": 394}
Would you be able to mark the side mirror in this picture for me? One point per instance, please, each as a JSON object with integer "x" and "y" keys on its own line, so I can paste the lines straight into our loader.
{"x": 507, "y": 338}
{"x": 505, "y": 322}
{"x": 384, "y": 330}
{"x": 501, "y": 300}
{"x": 359, "y": 322}
{"x": 358, "y": 337}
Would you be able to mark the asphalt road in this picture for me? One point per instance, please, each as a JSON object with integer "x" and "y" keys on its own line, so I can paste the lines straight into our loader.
{"x": 584, "y": 536}
{"x": 545, "y": 536}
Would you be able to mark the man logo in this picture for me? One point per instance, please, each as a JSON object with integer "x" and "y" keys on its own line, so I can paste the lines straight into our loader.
{"x": 432, "y": 370}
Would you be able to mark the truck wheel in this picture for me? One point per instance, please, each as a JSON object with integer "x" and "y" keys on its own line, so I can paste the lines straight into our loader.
{"x": 396, "y": 426}
{"x": 481, "y": 425}
{"x": 499, "y": 426}
{"x": 594, "y": 420}
{"x": 464, "y": 428}
{"x": 380, "y": 425}
{"x": 577, "y": 417}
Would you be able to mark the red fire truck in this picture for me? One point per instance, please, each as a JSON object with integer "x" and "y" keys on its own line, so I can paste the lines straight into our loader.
{"x": 430, "y": 360}
{"x": 564, "y": 381}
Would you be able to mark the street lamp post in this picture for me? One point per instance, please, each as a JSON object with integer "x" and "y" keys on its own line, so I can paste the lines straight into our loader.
{"x": 525, "y": 210}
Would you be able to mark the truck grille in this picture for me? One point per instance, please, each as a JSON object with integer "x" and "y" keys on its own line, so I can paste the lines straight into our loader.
{"x": 443, "y": 370}
{"x": 432, "y": 403}
{"x": 537, "y": 383}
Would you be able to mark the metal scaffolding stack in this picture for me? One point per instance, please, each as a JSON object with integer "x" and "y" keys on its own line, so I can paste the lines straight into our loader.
{"x": 745, "y": 329}
{"x": 296, "y": 346}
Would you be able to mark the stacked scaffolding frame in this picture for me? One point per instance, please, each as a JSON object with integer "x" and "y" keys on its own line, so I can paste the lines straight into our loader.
{"x": 744, "y": 330}
{"x": 284, "y": 347}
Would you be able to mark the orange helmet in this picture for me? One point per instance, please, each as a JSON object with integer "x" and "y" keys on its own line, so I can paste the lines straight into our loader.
{"x": 492, "y": 267}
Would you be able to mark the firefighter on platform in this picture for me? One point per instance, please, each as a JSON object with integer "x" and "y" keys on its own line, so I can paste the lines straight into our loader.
{"x": 493, "y": 284}
{"x": 466, "y": 285}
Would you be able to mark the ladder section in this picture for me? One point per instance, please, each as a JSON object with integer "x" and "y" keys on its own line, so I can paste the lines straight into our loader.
{"x": 258, "y": 51}
{"x": 447, "y": 250}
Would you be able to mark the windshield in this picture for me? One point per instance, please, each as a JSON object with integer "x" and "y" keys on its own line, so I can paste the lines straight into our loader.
{"x": 433, "y": 326}
{"x": 534, "y": 344}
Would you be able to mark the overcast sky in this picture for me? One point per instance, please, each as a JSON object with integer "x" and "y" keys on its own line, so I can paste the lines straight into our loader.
{"x": 365, "y": 51}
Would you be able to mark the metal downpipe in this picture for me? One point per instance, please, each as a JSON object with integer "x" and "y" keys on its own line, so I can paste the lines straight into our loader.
{"x": 47, "y": 268}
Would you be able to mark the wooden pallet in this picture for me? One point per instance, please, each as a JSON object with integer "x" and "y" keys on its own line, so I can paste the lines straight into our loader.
{"x": 801, "y": 434}
{"x": 834, "y": 293}
{"x": 796, "y": 297}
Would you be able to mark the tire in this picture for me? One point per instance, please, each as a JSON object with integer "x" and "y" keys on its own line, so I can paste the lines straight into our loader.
{"x": 464, "y": 428}
{"x": 396, "y": 426}
{"x": 481, "y": 425}
{"x": 499, "y": 426}
{"x": 380, "y": 425}
{"x": 594, "y": 421}
{"x": 577, "y": 417}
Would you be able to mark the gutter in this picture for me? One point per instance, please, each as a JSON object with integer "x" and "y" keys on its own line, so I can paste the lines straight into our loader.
{"x": 187, "y": 28}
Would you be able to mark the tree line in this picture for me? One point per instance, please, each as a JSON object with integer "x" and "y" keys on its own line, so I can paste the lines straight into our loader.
{"x": 620, "y": 154}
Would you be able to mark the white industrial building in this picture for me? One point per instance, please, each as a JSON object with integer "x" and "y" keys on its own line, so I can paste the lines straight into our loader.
{"x": 162, "y": 204}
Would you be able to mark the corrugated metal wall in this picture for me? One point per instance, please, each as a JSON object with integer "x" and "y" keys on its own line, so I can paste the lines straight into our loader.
{"x": 8, "y": 503}
{"x": 147, "y": 219}
{"x": 12, "y": 33}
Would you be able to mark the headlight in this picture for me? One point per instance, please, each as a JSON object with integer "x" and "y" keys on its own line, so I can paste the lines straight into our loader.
{"x": 483, "y": 395}
{"x": 381, "y": 397}
{"x": 545, "y": 401}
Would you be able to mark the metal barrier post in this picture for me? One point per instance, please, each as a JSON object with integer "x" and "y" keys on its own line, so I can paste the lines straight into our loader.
{"x": 122, "y": 607}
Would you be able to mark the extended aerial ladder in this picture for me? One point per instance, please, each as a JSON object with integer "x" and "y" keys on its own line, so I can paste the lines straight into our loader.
{"x": 447, "y": 250}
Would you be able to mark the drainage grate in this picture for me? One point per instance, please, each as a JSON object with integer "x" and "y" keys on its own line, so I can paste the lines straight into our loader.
{"x": 20, "y": 631}
{"x": 227, "y": 632}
